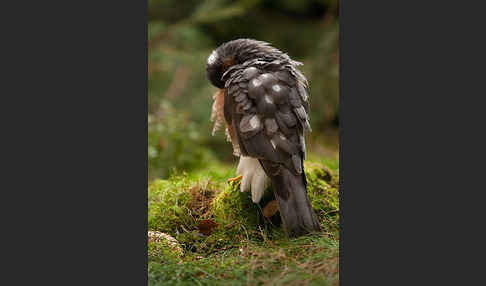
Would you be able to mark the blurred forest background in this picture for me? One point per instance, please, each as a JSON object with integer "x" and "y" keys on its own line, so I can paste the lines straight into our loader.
{"x": 182, "y": 34}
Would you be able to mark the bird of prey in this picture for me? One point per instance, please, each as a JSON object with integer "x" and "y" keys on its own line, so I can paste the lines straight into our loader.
{"x": 263, "y": 102}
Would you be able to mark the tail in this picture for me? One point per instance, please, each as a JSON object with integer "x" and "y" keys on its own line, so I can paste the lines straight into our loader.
{"x": 298, "y": 216}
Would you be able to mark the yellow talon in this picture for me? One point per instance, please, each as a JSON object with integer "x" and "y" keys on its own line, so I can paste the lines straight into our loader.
{"x": 235, "y": 179}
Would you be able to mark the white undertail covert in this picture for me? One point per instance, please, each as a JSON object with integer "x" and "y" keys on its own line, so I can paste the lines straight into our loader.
{"x": 254, "y": 178}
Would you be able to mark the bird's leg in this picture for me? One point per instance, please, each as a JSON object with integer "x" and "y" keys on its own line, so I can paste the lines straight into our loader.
{"x": 235, "y": 179}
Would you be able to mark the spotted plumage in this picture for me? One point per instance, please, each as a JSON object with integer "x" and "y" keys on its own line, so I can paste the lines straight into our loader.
{"x": 266, "y": 112}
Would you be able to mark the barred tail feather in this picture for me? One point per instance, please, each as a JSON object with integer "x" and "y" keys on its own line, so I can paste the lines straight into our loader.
{"x": 298, "y": 216}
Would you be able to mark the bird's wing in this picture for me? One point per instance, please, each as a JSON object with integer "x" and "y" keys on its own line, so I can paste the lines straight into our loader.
{"x": 267, "y": 104}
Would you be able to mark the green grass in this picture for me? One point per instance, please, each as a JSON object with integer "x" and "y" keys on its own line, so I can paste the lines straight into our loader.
{"x": 310, "y": 260}
{"x": 243, "y": 249}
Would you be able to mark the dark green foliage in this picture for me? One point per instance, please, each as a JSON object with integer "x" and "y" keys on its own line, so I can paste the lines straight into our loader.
{"x": 173, "y": 138}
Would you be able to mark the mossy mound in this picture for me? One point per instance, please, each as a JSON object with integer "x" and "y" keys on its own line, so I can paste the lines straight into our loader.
{"x": 177, "y": 206}
{"x": 236, "y": 208}
{"x": 205, "y": 215}
{"x": 233, "y": 206}
{"x": 234, "y": 211}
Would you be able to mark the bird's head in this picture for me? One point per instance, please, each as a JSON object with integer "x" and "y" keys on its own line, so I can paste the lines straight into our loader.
{"x": 237, "y": 52}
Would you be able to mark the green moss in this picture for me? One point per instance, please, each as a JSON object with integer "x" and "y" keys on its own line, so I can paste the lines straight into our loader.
{"x": 234, "y": 209}
{"x": 323, "y": 190}
{"x": 167, "y": 205}
{"x": 242, "y": 249}
{"x": 178, "y": 204}
{"x": 161, "y": 252}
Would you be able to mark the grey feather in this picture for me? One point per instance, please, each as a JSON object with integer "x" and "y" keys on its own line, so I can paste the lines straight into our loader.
{"x": 240, "y": 97}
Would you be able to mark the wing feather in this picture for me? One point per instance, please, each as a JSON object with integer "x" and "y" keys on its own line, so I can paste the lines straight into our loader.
{"x": 269, "y": 111}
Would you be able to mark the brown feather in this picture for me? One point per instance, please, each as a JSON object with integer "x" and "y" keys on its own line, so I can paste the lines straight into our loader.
{"x": 217, "y": 115}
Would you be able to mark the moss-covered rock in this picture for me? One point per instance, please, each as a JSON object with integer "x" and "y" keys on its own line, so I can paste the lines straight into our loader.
{"x": 163, "y": 248}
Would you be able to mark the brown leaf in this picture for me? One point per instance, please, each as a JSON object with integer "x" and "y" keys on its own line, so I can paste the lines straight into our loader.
{"x": 206, "y": 226}
{"x": 270, "y": 209}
